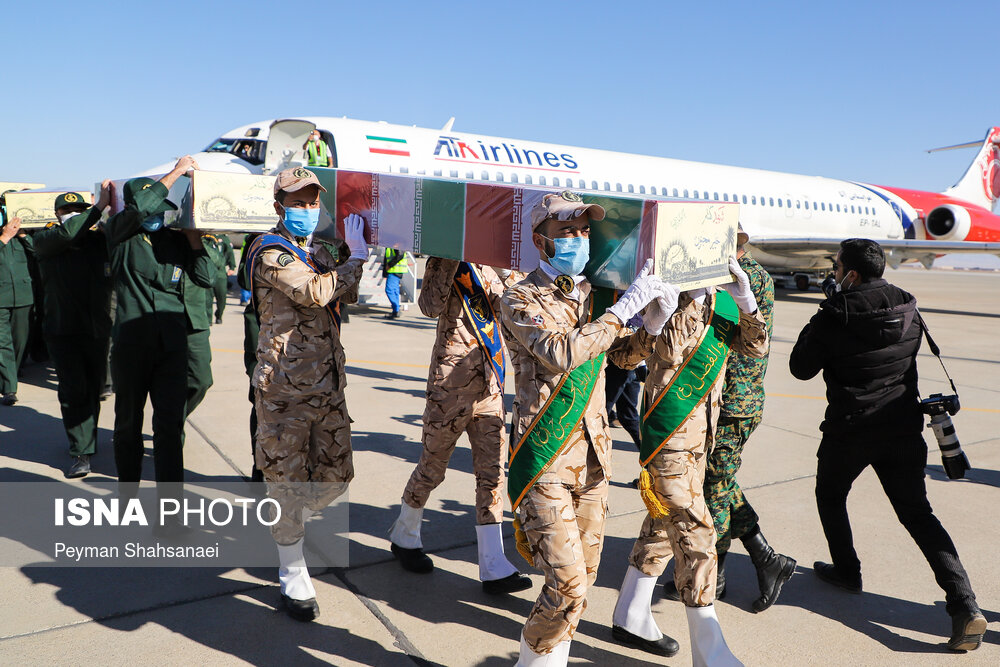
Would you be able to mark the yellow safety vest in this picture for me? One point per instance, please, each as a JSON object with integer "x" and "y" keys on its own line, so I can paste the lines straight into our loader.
{"x": 317, "y": 153}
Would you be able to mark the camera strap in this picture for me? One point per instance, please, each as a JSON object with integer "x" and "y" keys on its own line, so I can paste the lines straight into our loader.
{"x": 935, "y": 350}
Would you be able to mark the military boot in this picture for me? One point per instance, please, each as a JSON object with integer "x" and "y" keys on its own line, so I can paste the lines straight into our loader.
{"x": 670, "y": 591}
{"x": 773, "y": 570}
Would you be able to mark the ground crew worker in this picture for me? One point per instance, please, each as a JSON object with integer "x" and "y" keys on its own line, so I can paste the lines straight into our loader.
{"x": 740, "y": 413}
{"x": 16, "y": 298}
{"x": 680, "y": 412}
{"x": 220, "y": 249}
{"x": 76, "y": 276}
{"x": 317, "y": 152}
{"x": 560, "y": 464}
{"x": 394, "y": 265}
{"x": 303, "y": 428}
{"x": 464, "y": 394}
{"x": 198, "y": 319}
{"x": 149, "y": 337}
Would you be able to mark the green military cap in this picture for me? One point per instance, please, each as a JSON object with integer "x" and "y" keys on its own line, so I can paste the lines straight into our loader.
{"x": 137, "y": 185}
{"x": 70, "y": 199}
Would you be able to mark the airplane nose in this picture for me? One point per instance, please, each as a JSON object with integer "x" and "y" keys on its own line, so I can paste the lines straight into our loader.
{"x": 207, "y": 162}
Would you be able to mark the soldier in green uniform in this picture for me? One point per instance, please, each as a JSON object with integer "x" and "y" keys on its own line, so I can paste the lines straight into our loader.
{"x": 220, "y": 249}
{"x": 198, "y": 314}
{"x": 149, "y": 356}
{"x": 740, "y": 413}
{"x": 251, "y": 332}
{"x": 76, "y": 277}
{"x": 16, "y": 298}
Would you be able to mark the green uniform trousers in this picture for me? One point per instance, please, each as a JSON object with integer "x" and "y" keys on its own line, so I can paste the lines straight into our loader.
{"x": 220, "y": 290}
{"x": 199, "y": 369}
{"x": 81, "y": 365}
{"x": 160, "y": 373}
{"x": 732, "y": 514}
{"x": 14, "y": 325}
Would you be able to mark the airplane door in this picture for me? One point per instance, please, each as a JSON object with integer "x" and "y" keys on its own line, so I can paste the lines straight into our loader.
{"x": 284, "y": 145}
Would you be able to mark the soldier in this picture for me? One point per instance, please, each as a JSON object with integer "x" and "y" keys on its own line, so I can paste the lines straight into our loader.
{"x": 76, "y": 276}
{"x": 303, "y": 429}
{"x": 558, "y": 332}
{"x": 251, "y": 331}
{"x": 198, "y": 316}
{"x": 220, "y": 248}
{"x": 149, "y": 353}
{"x": 680, "y": 411}
{"x": 740, "y": 413}
{"x": 16, "y": 298}
{"x": 464, "y": 394}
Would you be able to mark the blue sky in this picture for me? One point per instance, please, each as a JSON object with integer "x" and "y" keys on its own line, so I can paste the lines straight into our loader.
{"x": 848, "y": 90}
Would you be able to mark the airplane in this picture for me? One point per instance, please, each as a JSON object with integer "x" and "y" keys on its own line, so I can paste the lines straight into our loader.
{"x": 795, "y": 222}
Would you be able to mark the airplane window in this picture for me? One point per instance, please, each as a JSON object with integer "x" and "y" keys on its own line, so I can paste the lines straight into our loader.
{"x": 485, "y": 176}
{"x": 822, "y": 206}
{"x": 685, "y": 194}
{"x": 618, "y": 187}
{"x": 716, "y": 194}
{"x": 771, "y": 201}
{"x": 555, "y": 181}
{"x": 527, "y": 179}
{"x": 421, "y": 172}
{"x": 838, "y": 208}
{"x": 469, "y": 175}
{"x": 404, "y": 170}
{"x": 642, "y": 189}
{"x": 593, "y": 185}
{"x": 814, "y": 206}
{"x": 788, "y": 203}
{"x": 736, "y": 197}
{"x": 499, "y": 177}
{"x": 779, "y": 203}
{"x": 630, "y": 188}
{"x": 798, "y": 204}
{"x": 541, "y": 180}
{"x": 607, "y": 186}
{"x": 663, "y": 191}
{"x": 513, "y": 178}
{"x": 675, "y": 192}
{"x": 753, "y": 199}
{"x": 696, "y": 194}
{"x": 437, "y": 172}
{"x": 725, "y": 196}
{"x": 454, "y": 173}
{"x": 852, "y": 208}
{"x": 220, "y": 145}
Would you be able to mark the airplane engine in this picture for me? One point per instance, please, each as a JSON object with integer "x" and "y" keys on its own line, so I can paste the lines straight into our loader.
{"x": 949, "y": 222}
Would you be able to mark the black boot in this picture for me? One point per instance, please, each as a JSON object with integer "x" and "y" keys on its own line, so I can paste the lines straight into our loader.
{"x": 670, "y": 591}
{"x": 967, "y": 631}
{"x": 773, "y": 570}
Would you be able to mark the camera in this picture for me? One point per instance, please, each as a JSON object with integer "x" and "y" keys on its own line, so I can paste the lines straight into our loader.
{"x": 940, "y": 408}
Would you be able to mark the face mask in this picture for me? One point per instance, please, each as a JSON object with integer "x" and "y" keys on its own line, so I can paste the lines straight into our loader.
{"x": 154, "y": 223}
{"x": 301, "y": 221}
{"x": 571, "y": 256}
{"x": 66, "y": 216}
{"x": 840, "y": 286}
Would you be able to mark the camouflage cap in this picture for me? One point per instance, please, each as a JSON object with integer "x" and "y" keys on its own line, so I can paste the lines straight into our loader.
{"x": 294, "y": 179}
{"x": 565, "y": 205}
{"x": 67, "y": 199}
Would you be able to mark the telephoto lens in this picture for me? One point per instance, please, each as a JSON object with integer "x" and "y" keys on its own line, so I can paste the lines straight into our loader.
{"x": 953, "y": 459}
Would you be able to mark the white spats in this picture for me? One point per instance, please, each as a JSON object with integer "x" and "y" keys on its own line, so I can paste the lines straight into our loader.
{"x": 557, "y": 657}
{"x": 493, "y": 564}
{"x": 405, "y": 532}
{"x": 632, "y": 611}
{"x": 292, "y": 573}
{"x": 708, "y": 647}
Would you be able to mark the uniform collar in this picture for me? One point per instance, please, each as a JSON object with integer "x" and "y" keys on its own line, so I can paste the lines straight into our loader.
{"x": 544, "y": 282}
{"x": 552, "y": 274}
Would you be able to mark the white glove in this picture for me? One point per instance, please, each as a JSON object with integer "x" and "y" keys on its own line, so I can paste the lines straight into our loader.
{"x": 740, "y": 290}
{"x": 660, "y": 309}
{"x": 643, "y": 289}
{"x": 354, "y": 234}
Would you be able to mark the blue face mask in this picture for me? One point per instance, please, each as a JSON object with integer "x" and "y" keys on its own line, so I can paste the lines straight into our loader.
{"x": 301, "y": 221}
{"x": 571, "y": 256}
{"x": 154, "y": 223}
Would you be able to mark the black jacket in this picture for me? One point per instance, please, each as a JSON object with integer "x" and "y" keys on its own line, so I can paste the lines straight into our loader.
{"x": 865, "y": 341}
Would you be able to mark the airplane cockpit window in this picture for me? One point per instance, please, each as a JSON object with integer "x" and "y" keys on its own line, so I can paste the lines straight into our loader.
{"x": 251, "y": 150}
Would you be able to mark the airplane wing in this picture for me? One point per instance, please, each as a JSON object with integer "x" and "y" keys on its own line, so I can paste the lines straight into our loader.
{"x": 896, "y": 250}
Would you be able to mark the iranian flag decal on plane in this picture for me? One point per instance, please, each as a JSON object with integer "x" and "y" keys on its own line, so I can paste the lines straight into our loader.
{"x": 387, "y": 146}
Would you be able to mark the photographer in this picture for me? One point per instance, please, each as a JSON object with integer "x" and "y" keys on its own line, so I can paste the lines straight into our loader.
{"x": 865, "y": 340}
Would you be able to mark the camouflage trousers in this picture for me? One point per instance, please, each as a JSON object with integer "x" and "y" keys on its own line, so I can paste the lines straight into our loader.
{"x": 733, "y": 515}
{"x": 564, "y": 525}
{"x": 304, "y": 451}
{"x": 686, "y": 532}
{"x": 446, "y": 417}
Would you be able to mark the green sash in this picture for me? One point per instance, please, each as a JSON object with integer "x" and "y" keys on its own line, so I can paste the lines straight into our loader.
{"x": 692, "y": 382}
{"x": 546, "y": 437}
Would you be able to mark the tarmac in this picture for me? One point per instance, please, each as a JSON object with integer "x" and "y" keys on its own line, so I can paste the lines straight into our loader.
{"x": 374, "y": 613}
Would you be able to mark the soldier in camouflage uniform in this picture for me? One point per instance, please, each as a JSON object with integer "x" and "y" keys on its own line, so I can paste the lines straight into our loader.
{"x": 677, "y": 470}
{"x": 303, "y": 429}
{"x": 741, "y": 412}
{"x": 550, "y": 332}
{"x": 464, "y": 394}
